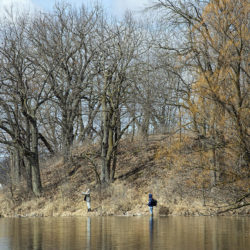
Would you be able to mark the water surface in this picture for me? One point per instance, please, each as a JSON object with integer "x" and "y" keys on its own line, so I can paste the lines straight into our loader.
{"x": 175, "y": 233}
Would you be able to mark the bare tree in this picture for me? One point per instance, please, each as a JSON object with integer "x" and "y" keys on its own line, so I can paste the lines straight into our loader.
{"x": 65, "y": 49}
{"x": 23, "y": 91}
{"x": 120, "y": 48}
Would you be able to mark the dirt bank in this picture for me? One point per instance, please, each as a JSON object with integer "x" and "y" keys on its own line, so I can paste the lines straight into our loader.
{"x": 143, "y": 168}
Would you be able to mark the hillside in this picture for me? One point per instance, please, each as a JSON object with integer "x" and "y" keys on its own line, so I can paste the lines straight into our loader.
{"x": 160, "y": 165}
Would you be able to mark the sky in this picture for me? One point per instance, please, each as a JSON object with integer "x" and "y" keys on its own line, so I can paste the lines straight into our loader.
{"x": 114, "y": 7}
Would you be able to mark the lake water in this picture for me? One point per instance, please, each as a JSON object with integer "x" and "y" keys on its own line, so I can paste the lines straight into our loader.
{"x": 177, "y": 233}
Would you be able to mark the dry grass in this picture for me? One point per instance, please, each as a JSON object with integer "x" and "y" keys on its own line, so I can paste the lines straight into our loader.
{"x": 160, "y": 166}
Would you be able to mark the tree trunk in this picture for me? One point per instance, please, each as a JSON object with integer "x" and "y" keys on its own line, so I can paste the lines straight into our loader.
{"x": 105, "y": 137}
{"x": 214, "y": 172}
{"x": 143, "y": 130}
{"x": 28, "y": 175}
{"x": 16, "y": 172}
{"x": 34, "y": 160}
{"x": 68, "y": 138}
{"x": 114, "y": 154}
{"x": 35, "y": 172}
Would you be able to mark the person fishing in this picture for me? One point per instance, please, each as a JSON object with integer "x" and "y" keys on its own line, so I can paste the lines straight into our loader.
{"x": 87, "y": 199}
{"x": 151, "y": 203}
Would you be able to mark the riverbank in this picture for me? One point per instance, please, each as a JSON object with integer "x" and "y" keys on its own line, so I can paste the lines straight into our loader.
{"x": 40, "y": 207}
{"x": 122, "y": 200}
{"x": 169, "y": 173}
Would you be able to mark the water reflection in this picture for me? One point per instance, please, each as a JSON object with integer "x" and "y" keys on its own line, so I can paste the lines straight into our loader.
{"x": 151, "y": 228}
{"x": 123, "y": 233}
{"x": 88, "y": 233}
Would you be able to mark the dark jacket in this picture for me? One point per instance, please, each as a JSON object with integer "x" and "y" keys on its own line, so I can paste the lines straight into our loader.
{"x": 151, "y": 202}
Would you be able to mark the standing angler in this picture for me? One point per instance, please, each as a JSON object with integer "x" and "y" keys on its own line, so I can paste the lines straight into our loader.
{"x": 151, "y": 203}
{"x": 87, "y": 199}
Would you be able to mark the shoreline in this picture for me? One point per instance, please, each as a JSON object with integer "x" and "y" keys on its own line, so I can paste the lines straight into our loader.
{"x": 158, "y": 212}
{"x": 112, "y": 206}
{"x": 142, "y": 215}
{"x": 179, "y": 191}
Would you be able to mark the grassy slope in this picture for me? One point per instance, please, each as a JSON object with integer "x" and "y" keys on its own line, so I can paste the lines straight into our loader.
{"x": 143, "y": 167}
